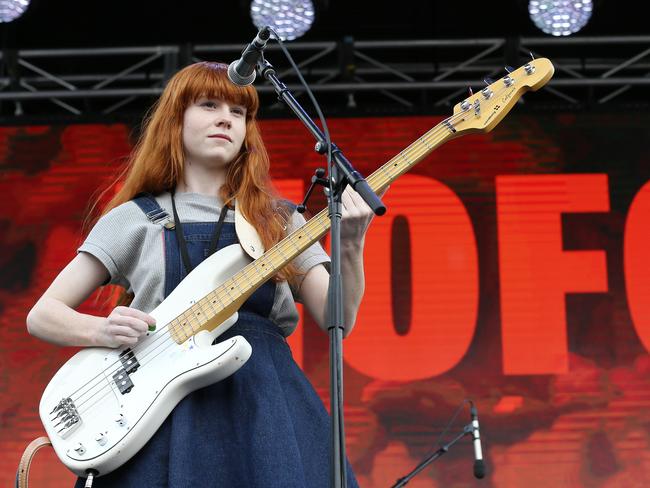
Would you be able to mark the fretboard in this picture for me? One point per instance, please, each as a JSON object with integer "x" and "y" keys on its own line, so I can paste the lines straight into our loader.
{"x": 222, "y": 302}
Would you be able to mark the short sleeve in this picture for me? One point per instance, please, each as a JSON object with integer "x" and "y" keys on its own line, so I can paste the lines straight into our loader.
{"x": 115, "y": 241}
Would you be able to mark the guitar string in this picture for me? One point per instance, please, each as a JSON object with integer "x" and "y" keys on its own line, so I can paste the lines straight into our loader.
{"x": 413, "y": 150}
{"x": 406, "y": 154}
{"x": 202, "y": 305}
{"x": 250, "y": 271}
{"x": 180, "y": 323}
{"x": 382, "y": 171}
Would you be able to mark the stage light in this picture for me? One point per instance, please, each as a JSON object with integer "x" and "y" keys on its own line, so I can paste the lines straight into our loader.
{"x": 12, "y": 9}
{"x": 560, "y": 17}
{"x": 289, "y": 18}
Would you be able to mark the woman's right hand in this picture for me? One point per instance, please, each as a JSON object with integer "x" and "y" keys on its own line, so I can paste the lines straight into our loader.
{"x": 124, "y": 327}
{"x": 55, "y": 318}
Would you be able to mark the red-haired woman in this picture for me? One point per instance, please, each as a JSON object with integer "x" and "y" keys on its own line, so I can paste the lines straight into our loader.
{"x": 200, "y": 161}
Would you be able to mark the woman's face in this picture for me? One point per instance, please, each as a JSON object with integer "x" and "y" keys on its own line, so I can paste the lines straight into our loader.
{"x": 213, "y": 131}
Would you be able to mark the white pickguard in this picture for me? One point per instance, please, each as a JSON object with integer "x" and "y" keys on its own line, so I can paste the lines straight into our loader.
{"x": 112, "y": 426}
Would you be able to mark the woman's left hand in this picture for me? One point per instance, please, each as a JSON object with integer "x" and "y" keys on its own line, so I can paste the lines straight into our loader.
{"x": 356, "y": 216}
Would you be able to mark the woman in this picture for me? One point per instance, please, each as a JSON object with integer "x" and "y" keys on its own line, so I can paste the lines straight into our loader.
{"x": 199, "y": 161}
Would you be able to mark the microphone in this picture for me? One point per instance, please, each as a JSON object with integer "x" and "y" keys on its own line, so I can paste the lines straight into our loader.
{"x": 479, "y": 465}
{"x": 242, "y": 71}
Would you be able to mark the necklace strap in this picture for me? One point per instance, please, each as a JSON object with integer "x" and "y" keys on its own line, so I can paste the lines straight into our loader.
{"x": 180, "y": 236}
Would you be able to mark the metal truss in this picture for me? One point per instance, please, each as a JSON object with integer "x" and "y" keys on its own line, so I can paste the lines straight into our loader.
{"x": 408, "y": 76}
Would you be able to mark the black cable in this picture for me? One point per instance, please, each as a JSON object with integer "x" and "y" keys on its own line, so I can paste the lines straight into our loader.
{"x": 439, "y": 440}
{"x": 321, "y": 117}
{"x": 328, "y": 142}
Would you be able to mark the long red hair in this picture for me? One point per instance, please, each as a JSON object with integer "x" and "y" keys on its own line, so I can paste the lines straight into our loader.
{"x": 157, "y": 161}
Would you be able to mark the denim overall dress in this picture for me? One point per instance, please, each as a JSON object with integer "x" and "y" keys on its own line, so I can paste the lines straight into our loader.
{"x": 262, "y": 427}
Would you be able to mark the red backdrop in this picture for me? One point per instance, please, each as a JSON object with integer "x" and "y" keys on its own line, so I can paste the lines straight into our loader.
{"x": 510, "y": 269}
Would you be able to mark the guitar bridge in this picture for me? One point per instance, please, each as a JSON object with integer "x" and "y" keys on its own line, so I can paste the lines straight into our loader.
{"x": 65, "y": 417}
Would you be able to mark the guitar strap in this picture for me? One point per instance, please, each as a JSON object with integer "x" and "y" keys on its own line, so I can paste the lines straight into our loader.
{"x": 248, "y": 237}
{"x": 22, "y": 476}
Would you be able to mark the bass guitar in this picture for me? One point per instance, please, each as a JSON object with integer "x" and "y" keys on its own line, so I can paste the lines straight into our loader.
{"x": 104, "y": 404}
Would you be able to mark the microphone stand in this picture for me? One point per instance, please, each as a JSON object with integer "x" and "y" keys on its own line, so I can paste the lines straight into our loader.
{"x": 342, "y": 173}
{"x": 467, "y": 430}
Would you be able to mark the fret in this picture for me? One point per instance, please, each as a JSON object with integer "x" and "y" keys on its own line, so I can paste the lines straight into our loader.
{"x": 225, "y": 287}
{"x": 243, "y": 273}
{"x": 321, "y": 222}
{"x": 211, "y": 303}
{"x": 174, "y": 326}
{"x": 196, "y": 318}
{"x": 216, "y": 295}
{"x": 292, "y": 251}
{"x": 182, "y": 322}
{"x": 189, "y": 319}
{"x": 196, "y": 312}
{"x": 181, "y": 330}
{"x": 204, "y": 306}
{"x": 256, "y": 267}
{"x": 406, "y": 160}
{"x": 277, "y": 262}
{"x": 266, "y": 264}
{"x": 224, "y": 298}
{"x": 295, "y": 245}
{"x": 386, "y": 170}
{"x": 311, "y": 237}
{"x": 306, "y": 239}
{"x": 431, "y": 138}
{"x": 236, "y": 282}
{"x": 279, "y": 251}
{"x": 423, "y": 141}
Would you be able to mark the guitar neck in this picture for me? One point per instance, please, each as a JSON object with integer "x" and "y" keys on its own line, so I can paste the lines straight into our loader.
{"x": 479, "y": 112}
{"x": 230, "y": 295}
{"x": 298, "y": 241}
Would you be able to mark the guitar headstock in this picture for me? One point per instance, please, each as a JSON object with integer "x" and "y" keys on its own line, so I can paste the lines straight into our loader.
{"x": 485, "y": 109}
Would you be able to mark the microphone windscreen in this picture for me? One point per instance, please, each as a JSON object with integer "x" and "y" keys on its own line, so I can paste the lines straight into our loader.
{"x": 236, "y": 78}
{"x": 479, "y": 469}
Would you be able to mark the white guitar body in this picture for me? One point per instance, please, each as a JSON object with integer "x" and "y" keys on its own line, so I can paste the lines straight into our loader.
{"x": 95, "y": 421}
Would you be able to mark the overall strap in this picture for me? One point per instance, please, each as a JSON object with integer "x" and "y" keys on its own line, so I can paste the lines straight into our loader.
{"x": 153, "y": 211}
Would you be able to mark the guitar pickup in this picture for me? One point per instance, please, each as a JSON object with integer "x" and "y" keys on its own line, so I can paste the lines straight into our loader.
{"x": 129, "y": 361}
{"x": 123, "y": 381}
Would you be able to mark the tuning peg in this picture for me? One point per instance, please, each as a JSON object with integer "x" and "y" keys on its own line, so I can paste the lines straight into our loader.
{"x": 487, "y": 80}
{"x": 509, "y": 69}
{"x": 532, "y": 56}
{"x": 469, "y": 89}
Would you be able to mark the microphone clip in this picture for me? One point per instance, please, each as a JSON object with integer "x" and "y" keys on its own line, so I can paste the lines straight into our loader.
{"x": 317, "y": 179}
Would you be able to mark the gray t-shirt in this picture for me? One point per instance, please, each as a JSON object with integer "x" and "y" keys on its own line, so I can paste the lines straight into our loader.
{"x": 132, "y": 250}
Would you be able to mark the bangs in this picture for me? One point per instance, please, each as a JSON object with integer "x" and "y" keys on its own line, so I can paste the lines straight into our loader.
{"x": 210, "y": 80}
